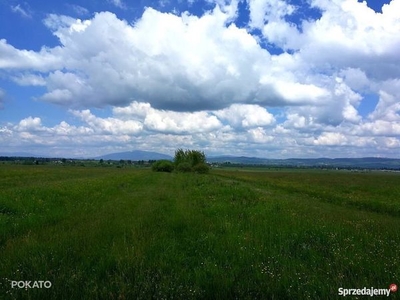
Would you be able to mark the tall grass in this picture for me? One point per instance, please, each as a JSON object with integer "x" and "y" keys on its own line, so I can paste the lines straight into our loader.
{"x": 105, "y": 233}
{"x": 374, "y": 191}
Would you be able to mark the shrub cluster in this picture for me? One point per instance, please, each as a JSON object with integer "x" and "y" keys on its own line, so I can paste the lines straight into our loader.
{"x": 201, "y": 168}
{"x": 190, "y": 161}
{"x": 184, "y": 161}
{"x": 163, "y": 166}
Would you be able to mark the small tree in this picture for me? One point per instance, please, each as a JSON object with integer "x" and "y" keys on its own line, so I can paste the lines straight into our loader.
{"x": 180, "y": 157}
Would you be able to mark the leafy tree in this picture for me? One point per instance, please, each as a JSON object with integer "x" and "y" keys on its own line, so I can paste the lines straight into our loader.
{"x": 180, "y": 157}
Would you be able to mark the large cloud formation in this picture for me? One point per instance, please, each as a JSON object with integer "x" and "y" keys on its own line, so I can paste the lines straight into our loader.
{"x": 182, "y": 63}
{"x": 202, "y": 80}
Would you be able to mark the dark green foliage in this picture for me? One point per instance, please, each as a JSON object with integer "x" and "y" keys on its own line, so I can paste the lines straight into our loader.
{"x": 190, "y": 160}
{"x": 163, "y": 166}
{"x": 180, "y": 157}
{"x": 201, "y": 168}
{"x": 184, "y": 167}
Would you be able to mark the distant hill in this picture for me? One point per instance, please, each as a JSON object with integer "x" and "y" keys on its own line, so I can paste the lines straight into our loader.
{"x": 18, "y": 154}
{"x": 135, "y": 155}
{"x": 364, "y": 162}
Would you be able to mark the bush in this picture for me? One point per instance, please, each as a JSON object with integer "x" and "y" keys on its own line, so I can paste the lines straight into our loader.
{"x": 190, "y": 161}
{"x": 163, "y": 166}
{"x": 184, "y": 167}
{"x": 201, "y": 168}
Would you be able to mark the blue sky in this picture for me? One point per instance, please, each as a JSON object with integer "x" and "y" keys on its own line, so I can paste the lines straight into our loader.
{"x": 266, "y": 78}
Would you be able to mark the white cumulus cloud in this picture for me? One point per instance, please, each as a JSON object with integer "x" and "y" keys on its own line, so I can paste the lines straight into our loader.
{"x": 268, "y": 87}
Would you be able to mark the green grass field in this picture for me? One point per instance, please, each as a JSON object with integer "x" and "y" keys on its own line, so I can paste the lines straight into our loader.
{"x": 108, "y": 233}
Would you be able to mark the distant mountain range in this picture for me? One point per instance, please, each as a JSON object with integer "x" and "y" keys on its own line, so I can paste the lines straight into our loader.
{"x": 135, "y": 156}
{"x": 18, "y": 154}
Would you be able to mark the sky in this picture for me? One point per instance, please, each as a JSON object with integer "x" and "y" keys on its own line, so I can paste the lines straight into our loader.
{"x": 263, "y": 78}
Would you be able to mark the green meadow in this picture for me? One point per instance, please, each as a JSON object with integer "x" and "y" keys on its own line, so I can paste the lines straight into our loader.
{"x": 126, "y": 233}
